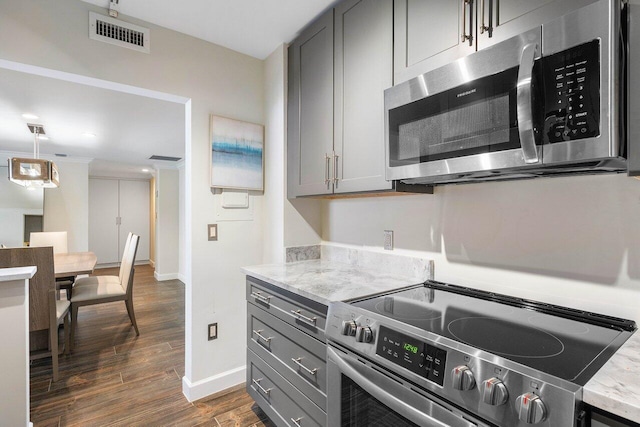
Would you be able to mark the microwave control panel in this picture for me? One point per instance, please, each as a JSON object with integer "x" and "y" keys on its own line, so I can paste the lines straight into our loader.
{"x": 419, "y": 357}
{"x": 571, "y": 81}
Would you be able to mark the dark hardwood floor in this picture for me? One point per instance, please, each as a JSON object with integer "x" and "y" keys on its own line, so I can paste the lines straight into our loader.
{"x": 114, "y": 378}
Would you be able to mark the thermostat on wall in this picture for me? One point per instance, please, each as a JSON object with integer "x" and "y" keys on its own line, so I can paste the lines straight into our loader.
{"x": 235, "y": 199}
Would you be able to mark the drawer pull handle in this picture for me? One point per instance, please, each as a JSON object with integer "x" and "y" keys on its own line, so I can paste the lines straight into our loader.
{"x": 262, "y": 389}
{"x": 298, "y": 362}
{"x": 262, "y": 337}
{"x": 260, "y": 297}
{"x": 300, "y": 316}
{"x": 296, "y": 421}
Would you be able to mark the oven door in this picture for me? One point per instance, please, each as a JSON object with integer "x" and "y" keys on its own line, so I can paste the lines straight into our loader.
{"x": 477, "y": 114}
{"x": 360, "y": 395}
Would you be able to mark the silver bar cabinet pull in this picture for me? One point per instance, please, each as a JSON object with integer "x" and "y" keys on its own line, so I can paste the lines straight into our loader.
{"x": 298, "y": 362}
{"x": 299, "y": 315}
{"x": 262, "y": 389}
{"x": 262, "y": 337}
{"x": 326, "y": 168}
{"x": 257, "y": 295}
{"x": 297, "y": 421}
{"x": 335, "y": 168}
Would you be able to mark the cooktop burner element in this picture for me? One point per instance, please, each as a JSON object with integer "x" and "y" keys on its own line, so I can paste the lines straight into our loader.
{"x": 488, "y": 334}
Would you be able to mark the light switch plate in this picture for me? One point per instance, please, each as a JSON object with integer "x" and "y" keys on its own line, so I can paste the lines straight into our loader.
{"x": 213, "y": 331}
{"x": 212, "y": 232}
{"x": 388, "y": 240}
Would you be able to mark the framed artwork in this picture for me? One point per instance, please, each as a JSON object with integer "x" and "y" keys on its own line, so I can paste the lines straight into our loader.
{"x": 237, "y": 159}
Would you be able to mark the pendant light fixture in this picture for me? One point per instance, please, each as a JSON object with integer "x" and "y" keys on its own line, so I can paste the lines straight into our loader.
{"x": 34, "y": 172}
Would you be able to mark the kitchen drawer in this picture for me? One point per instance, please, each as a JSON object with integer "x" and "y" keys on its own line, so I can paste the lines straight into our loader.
{"x": 284, "y": 347}
{"x": 282, "y": 402}
{"x": 303, "y": 313}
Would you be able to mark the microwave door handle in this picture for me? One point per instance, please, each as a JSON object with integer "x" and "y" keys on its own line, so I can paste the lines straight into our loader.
{"x": 394, "y": 403}
{"x": 524, "y": 102}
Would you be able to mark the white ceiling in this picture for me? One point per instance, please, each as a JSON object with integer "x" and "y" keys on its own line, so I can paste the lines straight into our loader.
{"x": 128, "y": 128}
{"x": 253, "y": 27}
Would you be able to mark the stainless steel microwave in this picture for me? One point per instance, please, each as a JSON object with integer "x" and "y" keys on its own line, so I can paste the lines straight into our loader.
{"x": 549, "y": 101}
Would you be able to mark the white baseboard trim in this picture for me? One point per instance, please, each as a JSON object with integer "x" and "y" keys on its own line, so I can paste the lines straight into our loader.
{"x": 214, "y": 384}
{"x": 163, "y": 277}
{"x": 182, "y": 278}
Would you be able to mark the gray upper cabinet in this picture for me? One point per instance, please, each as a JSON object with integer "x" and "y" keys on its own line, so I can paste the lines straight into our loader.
{"x": 337, "y": 77}
{"x": 431, "y": 33}
{"x": 363, "y": 70}
{"x": 310, "y": 110}
{"x": 502, "y": 19}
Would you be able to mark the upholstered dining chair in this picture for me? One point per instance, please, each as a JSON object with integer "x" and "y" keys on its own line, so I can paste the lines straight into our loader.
{"x": 57, "y": 239}
{"x": 58, "y": 313}
{"x": 103, "y": 289}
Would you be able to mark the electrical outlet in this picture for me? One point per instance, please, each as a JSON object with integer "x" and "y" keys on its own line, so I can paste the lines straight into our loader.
{"x": 213, "y": 331}
{"x": 388, "y": 240}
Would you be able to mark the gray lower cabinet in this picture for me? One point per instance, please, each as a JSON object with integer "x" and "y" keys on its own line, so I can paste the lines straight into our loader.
{"x": 339, "y": 67}
{"x": 286, "y": 355}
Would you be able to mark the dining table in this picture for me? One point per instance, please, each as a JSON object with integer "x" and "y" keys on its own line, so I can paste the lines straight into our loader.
{"x": 73, "y": 264}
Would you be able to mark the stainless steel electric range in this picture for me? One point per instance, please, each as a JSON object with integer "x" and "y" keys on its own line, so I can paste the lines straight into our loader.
{"x": 442, "y": 355}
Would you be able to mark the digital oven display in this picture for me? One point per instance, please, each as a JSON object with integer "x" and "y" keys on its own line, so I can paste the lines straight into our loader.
{"x": 417, "y": 356}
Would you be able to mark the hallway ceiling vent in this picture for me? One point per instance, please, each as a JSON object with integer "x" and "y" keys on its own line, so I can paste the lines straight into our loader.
{"x": 167, "y": 158}
{"x": 119, "y": 33}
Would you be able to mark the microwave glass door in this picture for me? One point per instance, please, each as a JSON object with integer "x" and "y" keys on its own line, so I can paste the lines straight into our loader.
{"x": 474, "y": 118}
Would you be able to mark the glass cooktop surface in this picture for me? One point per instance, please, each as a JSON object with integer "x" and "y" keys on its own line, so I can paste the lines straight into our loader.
{"x": 566, "y": 343}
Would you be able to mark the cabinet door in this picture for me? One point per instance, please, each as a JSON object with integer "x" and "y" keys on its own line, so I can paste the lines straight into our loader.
{"x": 103, "y": 214}
{"x": 363, "y": 70}
{"x": 134, "y": 214}
{"x": 310, "y": 110}
{"x": 428, "y": 34}
{"x": 508, "y": 18}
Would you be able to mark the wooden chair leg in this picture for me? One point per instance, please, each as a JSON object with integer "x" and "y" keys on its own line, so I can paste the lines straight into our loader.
{"x": 67, "y": 333}
{"x": 132, "y": 315}
{"x": 53, "y": 339}
{"x": 74, "y": 323}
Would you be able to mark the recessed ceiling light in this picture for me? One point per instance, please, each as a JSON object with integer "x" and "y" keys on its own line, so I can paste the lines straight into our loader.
{"x": 145, "y": 170}
{"x": 89, "y": 134}
{"x": 29, "y": 116}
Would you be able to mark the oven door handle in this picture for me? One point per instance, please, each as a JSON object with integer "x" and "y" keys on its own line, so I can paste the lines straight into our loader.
{"x": 524, "y": 104}
{"x": 393, "y": 402}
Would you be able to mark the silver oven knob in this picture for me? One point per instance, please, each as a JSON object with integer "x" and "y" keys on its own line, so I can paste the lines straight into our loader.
{"x": 494, "y": 392}
{"x": 348, "y": 327}
{"x": 462, "y": 378}
{"x": 531, "y": 409}
{"x": 364, "y": 334}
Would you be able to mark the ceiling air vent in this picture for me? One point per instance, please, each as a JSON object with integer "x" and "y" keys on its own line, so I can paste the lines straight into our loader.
{"x": 119, "y": 33}
{"x": 167, "y": 158}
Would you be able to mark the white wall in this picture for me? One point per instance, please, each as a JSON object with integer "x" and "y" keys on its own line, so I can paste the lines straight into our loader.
{"x": 182, "y": 253}
{"x": 15, "y": 203}
{"x": 217, "y": 80}
{"x": 167, "y": 224}
{"x": 66, "y": 208}
{"x": 571, "y": 241}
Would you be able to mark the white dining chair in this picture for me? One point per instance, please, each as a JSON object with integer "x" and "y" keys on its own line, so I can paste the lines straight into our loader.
{"x": 103, "y": 289}
{"x": 57, "y": 239}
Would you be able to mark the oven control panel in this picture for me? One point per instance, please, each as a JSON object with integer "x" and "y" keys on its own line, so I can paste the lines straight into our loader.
{"x": 419, "y": 357}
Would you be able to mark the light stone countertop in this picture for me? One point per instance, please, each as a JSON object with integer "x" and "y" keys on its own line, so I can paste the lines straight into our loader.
{"x": 615, "y": 388}
{"x": 16, "y": 273}
{"x": 326, "y": 281}
{"x": 341, "y": 273}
